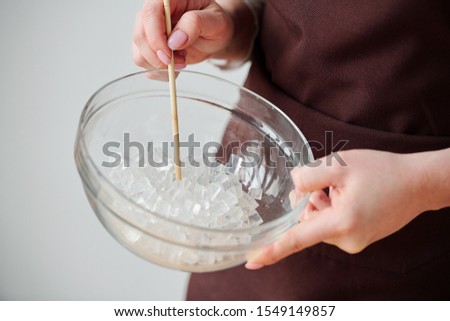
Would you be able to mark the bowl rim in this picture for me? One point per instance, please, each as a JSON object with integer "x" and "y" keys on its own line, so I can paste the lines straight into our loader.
{"x": 80, "y": 143}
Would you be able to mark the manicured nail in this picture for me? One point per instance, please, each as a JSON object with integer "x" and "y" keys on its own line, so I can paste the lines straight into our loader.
{"x": 253, "y": 266}
{"x": 163, "y": 57}
{"x": 177, "y": 39}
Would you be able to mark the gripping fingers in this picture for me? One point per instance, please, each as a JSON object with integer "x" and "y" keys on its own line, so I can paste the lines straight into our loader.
{"x": 301, "y": 236}
{"x": 141, "y": 45}
{"x": 317, "y": 175}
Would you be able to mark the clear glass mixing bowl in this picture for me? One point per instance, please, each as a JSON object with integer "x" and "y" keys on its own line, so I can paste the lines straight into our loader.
{"x": 210, "y": 110}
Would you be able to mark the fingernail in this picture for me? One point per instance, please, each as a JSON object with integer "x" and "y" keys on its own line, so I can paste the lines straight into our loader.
{"x": 253, "y": 266}
{"x": 163, "y": 57}
{"x": 177, "y": 39}
{"x": 179, "y": 66}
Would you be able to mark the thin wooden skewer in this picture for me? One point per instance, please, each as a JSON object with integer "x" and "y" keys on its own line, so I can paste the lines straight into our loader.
{"x": 173, "y": 97}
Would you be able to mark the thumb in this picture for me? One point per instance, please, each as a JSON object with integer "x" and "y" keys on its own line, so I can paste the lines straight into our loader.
{"x": 209, "y": 23}
{"x": 308, "y": 233}
{"x": 317, "y": 175}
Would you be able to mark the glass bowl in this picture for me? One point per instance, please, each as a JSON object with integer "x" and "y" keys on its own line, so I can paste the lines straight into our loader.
{"x": 220, "y": 118}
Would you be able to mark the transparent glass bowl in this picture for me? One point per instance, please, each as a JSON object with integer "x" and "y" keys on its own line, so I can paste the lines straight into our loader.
{"x": 210, "y": 110}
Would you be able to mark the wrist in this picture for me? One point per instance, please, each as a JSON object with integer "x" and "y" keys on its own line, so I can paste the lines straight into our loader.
{"x": 431, "y": 172}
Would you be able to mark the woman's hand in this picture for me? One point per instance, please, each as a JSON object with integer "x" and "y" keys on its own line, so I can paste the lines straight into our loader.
{"x": 372, "y": 195}
{"x": 203, "y": 29}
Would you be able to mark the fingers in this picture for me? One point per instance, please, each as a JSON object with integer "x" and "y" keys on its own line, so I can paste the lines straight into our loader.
{"x": 317, "y": 202}
{"x": 318, "y": 175}
{"x": 320, "y": 200}
{"x": 293, "y": 199}
{"x": 143, "y": 55}
{"x": 313, "y": 229}
{"x": 202, "y": 33}
{"x": 204, "y": 23}
{"x": 203, "y": 28}
{"x": 154, "y": 24}
{"x": 149, "y": 47}
{"x": 303, "y": 235}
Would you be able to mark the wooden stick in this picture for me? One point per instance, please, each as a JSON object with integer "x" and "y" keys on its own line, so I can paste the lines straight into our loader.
{"x": 173, "y": 97}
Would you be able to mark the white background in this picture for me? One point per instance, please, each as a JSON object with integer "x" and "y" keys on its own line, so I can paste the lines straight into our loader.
{"x": 54, "y": 55}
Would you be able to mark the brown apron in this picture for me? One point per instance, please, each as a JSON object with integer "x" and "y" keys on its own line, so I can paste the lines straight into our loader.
{"x": 375, "y": 73}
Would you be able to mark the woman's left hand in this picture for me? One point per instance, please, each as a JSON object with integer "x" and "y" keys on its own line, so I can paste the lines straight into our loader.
{"x": 372, "y": 195}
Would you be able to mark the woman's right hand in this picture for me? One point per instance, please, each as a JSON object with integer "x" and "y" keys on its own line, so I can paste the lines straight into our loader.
{"x": 202, "y": 29}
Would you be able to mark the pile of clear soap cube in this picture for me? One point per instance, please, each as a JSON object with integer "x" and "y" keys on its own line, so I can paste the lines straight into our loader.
{"x": 211, "y": 198}
{"x": 207, "y": 196}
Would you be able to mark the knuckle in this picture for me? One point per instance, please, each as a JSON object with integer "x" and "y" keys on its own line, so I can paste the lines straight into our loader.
{"x": 316, "y": 197}
{"x": 294, "y": 243}
{"x": 139, "y": 60}
{"x": 224, "y": 28}
{"x": 193, "y": 19}
{"x": 138, "y": 37}
{"x": 153, "y": 42}
{"x": 147, "y": 12}
{"x": 271, "y": 259}
{"x": 269, "y": 255}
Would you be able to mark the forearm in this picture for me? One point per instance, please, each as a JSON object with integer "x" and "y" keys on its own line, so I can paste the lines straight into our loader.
{"x": 245, "y": 29}
{"x": 432, "y": 170}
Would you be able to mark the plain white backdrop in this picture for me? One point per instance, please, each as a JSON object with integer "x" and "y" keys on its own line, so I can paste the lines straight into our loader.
{"x": 54, "y": 55}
